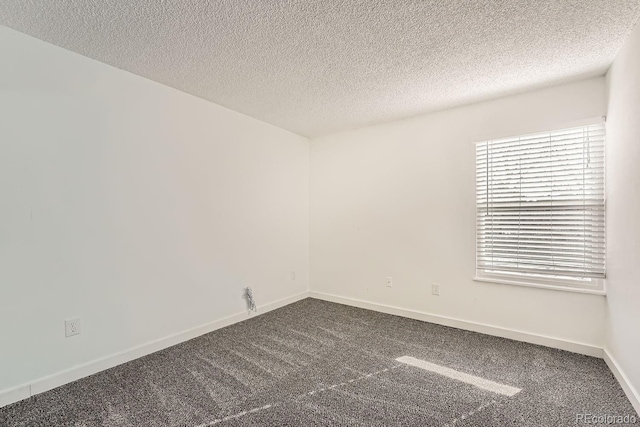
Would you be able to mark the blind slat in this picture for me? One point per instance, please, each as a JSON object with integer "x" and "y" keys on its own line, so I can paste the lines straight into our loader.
{"x": 540, "y": 203}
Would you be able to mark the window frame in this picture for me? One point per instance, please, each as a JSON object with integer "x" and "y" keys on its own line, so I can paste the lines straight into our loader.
{"x": 594, "y": 286}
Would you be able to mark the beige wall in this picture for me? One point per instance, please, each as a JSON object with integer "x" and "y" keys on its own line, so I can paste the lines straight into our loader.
{"x": 398, "y": 200}
{"x": 623, "y": 211}
{"x": 138, "y": 208}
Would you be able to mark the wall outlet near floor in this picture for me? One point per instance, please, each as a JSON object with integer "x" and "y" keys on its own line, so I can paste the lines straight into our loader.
{"x": 389, "y": 282}
{"x": 72, "y": 327}
{"x": 435, "y": 289}
{"x": 293, "y": 275}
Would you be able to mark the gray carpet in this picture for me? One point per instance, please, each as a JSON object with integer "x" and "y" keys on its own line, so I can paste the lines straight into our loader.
{"x": 315, "y": 363}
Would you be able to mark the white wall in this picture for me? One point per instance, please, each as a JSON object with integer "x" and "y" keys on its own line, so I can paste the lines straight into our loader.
{"x": 623, "y": 211}
{"x": 398, "y": 200}
{"x": 139, "y": 208}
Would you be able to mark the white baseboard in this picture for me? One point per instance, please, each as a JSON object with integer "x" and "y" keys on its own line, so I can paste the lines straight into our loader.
{"x": 41, "y": 385}
{"x": 14, "y": 394}
{"x": 629, "y": 389}
{"x": 69, "y": 375}
{"x": 516, "y": 335}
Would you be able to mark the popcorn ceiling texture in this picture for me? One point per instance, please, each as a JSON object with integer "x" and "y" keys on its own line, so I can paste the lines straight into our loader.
{"x": 319, "y": 66}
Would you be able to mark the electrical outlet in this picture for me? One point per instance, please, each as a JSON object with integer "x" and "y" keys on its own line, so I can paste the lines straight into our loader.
{"x": 389, "y": 282}
{"x": 435, "y": 289}
{"x": 71, "y": 327}
{"x": 293, "y": 275}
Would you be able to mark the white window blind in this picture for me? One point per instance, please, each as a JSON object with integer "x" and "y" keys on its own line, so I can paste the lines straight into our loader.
{"x": 540, "y": 203}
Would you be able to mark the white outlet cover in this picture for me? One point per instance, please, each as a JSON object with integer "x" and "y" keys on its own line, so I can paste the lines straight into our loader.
{"x": 435, "y": 289}
{"x": 72, "y": 327}
{"x": 389, "y": 281}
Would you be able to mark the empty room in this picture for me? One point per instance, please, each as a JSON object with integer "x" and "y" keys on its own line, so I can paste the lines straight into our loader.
{"x": 319, "y": 213}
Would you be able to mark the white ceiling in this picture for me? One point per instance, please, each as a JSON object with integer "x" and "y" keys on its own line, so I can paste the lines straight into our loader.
{"x": 318, "y": 66}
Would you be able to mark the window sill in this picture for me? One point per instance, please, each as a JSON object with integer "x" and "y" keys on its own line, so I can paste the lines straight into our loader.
{"x": 502, "y": 281}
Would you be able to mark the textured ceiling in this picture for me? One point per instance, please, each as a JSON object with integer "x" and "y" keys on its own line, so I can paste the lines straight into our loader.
{"x": 318, "y": 66}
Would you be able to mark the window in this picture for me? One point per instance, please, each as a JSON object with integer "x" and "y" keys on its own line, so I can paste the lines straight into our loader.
{"x": 540, "y": 207}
